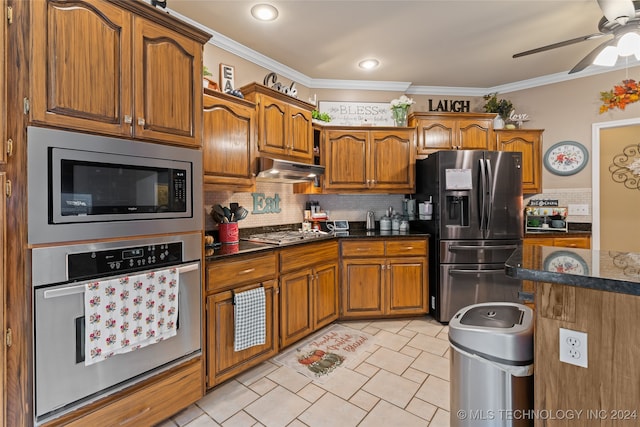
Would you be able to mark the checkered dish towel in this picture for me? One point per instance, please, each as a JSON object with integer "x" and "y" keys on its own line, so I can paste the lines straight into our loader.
{"x": 249, "y": 319}
{"x": 128, "y": 313}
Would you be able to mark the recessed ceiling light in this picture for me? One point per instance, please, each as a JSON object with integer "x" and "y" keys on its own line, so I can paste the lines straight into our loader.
{"x": 264, "y": 12}
{"x": 369, "y": 64}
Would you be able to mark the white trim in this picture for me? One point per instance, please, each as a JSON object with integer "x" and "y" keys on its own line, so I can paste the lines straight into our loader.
{"x": 595, "y": 174}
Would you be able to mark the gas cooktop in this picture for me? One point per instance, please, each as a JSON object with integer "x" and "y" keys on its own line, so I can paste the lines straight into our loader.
{"x": 286, "y": 237}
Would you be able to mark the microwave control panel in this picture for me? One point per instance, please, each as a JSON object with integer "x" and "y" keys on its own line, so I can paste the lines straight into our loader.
{"x": 84, "y": 265}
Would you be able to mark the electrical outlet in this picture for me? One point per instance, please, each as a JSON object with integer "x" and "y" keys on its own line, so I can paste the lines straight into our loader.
{"x": 578, "y": 209}
{"x": 573, "y": 347}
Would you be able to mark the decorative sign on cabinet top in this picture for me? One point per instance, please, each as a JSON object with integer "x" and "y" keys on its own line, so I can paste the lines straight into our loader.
{"x": 345, "y": 113}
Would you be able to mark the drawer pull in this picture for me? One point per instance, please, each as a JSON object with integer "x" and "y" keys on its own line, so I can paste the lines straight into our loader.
{"x": 408, "y": 248}
{"x": 247, "y": 271}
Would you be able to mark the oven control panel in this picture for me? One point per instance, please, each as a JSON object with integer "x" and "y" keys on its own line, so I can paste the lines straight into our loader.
{"x": 123, "y": 260}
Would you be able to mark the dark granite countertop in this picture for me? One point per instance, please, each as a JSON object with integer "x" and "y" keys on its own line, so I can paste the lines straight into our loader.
{"x": 216, "y": 252}
{"x": 609, "y": 271}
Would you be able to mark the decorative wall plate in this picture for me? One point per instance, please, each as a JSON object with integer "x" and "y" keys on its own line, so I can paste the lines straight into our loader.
{"x": 566, "y": 262}
{"x": 566, "y": 158}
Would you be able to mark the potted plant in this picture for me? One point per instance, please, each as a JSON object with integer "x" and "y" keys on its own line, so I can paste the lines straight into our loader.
{"x": 501, "y": 107}
{"x": 206, "y": 81}
{"x": 323, "y": 117}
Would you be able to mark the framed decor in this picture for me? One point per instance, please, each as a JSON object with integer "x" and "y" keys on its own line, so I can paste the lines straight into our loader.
{"x": 566, "y": 158}
{"x": 227, "y": 78}
{"x": 344, "y": 113}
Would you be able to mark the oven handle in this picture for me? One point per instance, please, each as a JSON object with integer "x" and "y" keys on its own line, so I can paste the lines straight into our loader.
{"x": 78, "y": 289}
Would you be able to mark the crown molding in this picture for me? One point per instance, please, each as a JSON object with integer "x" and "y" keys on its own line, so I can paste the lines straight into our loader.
{"x": 223, "y": 42}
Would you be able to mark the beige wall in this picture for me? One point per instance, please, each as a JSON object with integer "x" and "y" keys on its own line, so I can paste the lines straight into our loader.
{"x": 566, "y": 111}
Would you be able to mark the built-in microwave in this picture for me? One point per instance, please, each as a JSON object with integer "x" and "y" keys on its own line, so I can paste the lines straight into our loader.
{"x": 83, "y": 187}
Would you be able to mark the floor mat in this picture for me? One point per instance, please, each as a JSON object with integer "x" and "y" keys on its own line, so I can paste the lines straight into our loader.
{"x": 323, "y": 353}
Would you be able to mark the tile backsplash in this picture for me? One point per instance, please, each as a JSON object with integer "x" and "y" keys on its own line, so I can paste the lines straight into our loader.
{"x": 351, "y": 207}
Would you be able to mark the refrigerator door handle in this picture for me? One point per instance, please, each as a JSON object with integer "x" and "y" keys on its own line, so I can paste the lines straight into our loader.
{"x": 489, "y": 172}
{"x": 475, "y": 248}
{"x": 483, "y": 191}
{"x": 483, "y": 271}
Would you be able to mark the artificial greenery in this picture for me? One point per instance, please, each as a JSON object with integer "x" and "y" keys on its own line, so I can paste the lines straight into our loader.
{"x": 205, "y": 71}
{"x": 320, "y": 116}
{"x": 502, "y": 107}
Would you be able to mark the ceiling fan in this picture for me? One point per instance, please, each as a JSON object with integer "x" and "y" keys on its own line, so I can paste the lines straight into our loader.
{"x": 620, "y": 17}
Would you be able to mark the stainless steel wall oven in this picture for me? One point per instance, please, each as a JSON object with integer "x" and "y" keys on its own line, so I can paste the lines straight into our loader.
{"x": 62, "y": 381}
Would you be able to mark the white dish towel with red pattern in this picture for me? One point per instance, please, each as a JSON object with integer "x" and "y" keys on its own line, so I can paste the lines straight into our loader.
{"x": 129, "y": 313}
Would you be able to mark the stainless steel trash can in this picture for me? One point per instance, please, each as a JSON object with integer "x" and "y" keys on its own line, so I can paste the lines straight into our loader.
{"x": 492, "y": 365}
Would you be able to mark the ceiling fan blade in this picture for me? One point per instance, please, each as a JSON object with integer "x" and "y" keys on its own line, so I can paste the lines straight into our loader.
{"x": 559, "y": 44}
{"x": 619, "y": 11}
{"x": 588, "y": 60}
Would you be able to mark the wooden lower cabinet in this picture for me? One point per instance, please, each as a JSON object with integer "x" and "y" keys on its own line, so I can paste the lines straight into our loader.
{"x": 223, "y": 279}
{"x": 384, "y": 278}
{"x": 308, "y": 290}
{"x": 222, "y": 361}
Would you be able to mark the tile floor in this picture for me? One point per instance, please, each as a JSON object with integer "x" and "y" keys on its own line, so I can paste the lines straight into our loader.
{"x": 402, "y": 381}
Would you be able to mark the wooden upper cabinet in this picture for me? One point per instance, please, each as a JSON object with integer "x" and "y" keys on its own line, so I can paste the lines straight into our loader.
{"x": 116, "y": 67}
{"x": 529, "y": 143}
{"x": 345, "y": 153}
{"x": 371, "y": 160}
{"x": 392, "y": 159}
{"x": 229, "y": 142}
{"x": 81, "y": 57}
{"x": 167, "y": 84}
{"x": 453, "y": 131}
{"x": 3, "y": 87}
{"x": 284, "y": 123}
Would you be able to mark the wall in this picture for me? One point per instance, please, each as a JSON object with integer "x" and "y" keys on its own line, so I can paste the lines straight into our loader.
{"x": 566, "y": 111}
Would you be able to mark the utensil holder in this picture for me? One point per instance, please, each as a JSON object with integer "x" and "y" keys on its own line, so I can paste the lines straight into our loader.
{"x": 228, "y": 232}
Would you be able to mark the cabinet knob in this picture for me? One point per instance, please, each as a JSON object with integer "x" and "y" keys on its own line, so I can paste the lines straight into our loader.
{"x": 141, "y": 121}
{"x": 128, "y": 119}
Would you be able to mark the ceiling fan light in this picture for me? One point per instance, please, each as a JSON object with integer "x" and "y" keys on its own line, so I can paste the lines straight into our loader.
{"x": 629, "y": 44}
{"x": 607, "y": 58}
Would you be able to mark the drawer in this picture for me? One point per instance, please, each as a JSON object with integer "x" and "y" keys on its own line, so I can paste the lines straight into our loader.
{"x": 400, "y": 247}
{"x": 225, "y": 274}
{"x": 151, "y": 404}
{"x": 307, "y": 255}
{"x": 572, "y": 242}
{"x": 362, "y": 247}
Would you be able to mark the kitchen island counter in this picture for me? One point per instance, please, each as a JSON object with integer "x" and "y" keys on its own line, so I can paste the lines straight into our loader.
{"x": 602, "y": 270}
{"x": 592, "y": 297}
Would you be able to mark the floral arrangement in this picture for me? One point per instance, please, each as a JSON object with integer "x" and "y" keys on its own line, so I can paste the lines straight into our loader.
{"x": 621, "y": 95}
{"x": 502, "y": 107}
{"x": 403, "y": 102}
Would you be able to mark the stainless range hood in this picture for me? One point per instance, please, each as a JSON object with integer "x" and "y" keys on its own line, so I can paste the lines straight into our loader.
{"x": 287, "y": 171}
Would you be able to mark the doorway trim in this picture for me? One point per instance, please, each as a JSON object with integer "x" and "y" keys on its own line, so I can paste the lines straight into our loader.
{"x": 595, "y": 173}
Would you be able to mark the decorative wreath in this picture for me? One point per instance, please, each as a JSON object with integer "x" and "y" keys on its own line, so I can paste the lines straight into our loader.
{"x": 621, "y": 95}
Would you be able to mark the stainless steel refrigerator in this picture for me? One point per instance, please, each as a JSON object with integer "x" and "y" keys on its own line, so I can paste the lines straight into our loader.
{"x": 475, "y": 226}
